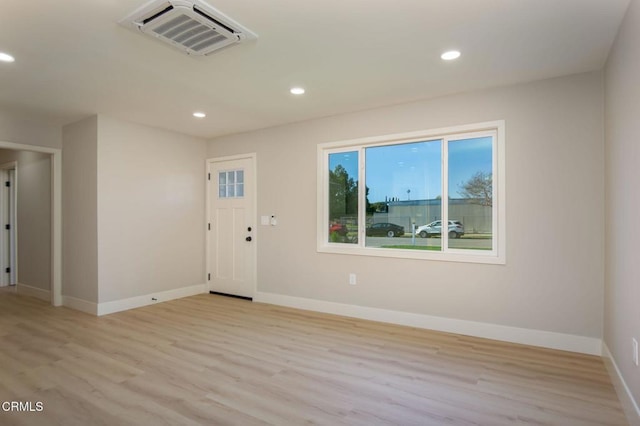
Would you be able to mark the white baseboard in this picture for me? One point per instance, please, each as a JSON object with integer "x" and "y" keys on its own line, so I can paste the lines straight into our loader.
{"x": 106, "y": 308}
{"x": 27, "y": 290}
{"x": 546, "y": 339}
{"x": 631, "y": 409}
{"x": 80, "y": 305}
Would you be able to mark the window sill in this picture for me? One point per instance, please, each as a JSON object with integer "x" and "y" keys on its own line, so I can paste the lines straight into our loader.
{"x": 488, "y": 257}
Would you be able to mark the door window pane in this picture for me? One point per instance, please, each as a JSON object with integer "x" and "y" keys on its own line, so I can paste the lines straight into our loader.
{"x": 343, "y": 197}
{"x": 231, "y": 184}
{"x": 222, "y": 184}
{"x": 471, "y": 193}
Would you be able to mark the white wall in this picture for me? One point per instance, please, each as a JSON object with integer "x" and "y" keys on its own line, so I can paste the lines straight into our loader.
{"x": 622, "y": 318}
{"x": 151, "y": 210}
{"x": 18, "y": 127}
{"x": 553, "y": 279}
{"x": 34, "y": 219}
{"x": 34, "y": 216}
{"x": 80, "y": 210}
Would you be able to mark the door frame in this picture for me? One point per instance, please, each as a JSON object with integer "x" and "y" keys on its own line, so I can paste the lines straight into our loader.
{"x": 254, "y": 202}
{"x": 9, "y": 239}
{"x": 56, "y": 213}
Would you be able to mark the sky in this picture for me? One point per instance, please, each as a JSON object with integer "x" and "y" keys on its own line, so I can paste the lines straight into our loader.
{"x": 393, "y": 170}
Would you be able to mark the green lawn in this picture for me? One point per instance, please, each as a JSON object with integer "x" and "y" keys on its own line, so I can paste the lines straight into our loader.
{"x": 430, "y": 248}
{"x": 410, "y": 247}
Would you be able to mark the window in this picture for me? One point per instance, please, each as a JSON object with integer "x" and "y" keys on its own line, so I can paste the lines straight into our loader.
{"x": 231, "y": 184}
{"x": 383, "y": 196}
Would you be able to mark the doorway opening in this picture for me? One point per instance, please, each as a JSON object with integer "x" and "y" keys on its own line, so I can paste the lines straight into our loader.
{"x": 45, "y": 241}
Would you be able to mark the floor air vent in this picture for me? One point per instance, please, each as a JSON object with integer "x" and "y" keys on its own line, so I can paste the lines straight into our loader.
{"x": 191, "y": 26}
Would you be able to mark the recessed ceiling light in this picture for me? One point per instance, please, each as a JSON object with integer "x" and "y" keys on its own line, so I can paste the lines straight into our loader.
{"x": 5, "y": 57}
{"x": 199, "y": 114}
{"x": 450, "y": 55}
{"x": 297, "y": 91}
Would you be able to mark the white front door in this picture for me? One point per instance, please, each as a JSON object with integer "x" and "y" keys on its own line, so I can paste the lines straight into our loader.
{"x": 231, "y": 228}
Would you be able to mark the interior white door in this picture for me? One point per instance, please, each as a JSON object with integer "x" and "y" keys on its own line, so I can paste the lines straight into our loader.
{"x": 11, "y": 224}
{"x": 8, "y": 252}
{"x": 231, "y": 228}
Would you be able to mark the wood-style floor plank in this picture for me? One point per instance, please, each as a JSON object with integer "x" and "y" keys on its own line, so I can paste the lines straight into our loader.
{"x": 221, "y": 361}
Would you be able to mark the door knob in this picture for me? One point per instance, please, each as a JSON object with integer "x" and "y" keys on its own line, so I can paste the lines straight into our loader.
{"x": 248, "y": 238}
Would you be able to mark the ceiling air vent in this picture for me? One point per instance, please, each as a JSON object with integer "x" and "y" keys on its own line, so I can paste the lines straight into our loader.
{"x": 191, "y": 26}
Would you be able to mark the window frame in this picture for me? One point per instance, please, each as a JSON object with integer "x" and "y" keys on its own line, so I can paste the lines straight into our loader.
{"x": 448, "y": 134}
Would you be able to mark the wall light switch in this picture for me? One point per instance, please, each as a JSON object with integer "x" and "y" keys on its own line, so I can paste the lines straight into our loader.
{"x": 634, "y": 344}
{"x": 264, "y": 220}
{"x": 352, "y": 279}
{"x": 273, "y": 220}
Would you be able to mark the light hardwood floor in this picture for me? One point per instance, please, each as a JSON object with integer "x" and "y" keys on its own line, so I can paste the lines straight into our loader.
{"x": 214, "y": 360}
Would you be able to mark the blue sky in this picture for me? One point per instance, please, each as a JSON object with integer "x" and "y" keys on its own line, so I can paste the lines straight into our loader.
{"x": 394, "y": 169}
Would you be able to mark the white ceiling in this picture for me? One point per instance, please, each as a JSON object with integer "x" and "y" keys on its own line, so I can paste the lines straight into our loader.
{"x": 74, "y": 60}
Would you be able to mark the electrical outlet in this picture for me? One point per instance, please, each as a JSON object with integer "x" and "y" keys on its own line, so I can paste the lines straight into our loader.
{"x": 634, "y": 344}
{"x": 352, "y": 279}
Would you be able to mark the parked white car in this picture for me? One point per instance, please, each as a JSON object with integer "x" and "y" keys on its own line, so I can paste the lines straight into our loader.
{"x": 456, "y": 230}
